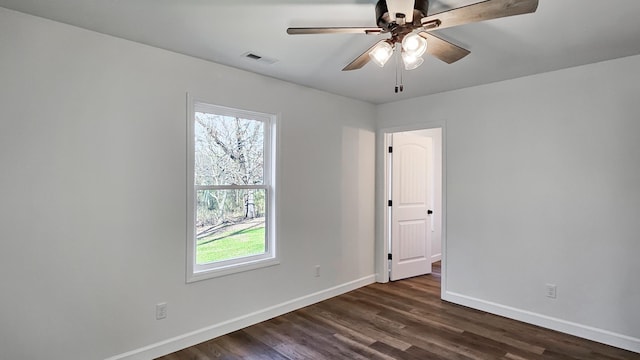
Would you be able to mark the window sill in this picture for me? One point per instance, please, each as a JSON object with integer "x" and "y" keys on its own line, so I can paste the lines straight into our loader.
{"x": 231, "y": 269}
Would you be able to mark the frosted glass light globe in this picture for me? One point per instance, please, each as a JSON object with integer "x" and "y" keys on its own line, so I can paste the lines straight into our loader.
{"x": 414, "y": 44}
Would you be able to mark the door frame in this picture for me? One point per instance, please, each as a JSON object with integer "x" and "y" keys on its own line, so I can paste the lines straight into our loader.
{"x": 382, "y": 228}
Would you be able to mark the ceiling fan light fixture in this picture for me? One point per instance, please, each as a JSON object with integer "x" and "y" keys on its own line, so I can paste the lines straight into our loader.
{"x": 411, "y": 61}
{"x": 381, "y": 53}
{"x": 414, "y": 44}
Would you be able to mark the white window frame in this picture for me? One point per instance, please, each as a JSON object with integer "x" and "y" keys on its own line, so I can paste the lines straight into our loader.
{"x": 196, "y": 272}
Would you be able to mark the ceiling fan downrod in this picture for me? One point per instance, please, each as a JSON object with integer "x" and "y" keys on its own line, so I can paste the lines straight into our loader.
{"x": 398, "y": 13}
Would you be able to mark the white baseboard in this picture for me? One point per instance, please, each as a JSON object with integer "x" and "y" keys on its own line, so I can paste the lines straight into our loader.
{"x": 436, "y": 258}
{"x": 568, "y": 327}
{"x": 183, "y": 341}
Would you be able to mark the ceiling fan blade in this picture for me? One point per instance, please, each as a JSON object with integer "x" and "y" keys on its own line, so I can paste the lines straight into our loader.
{"x": 442, "y": 49}
{"x": 334, "y": 30}
{"x": 361, "y": 60}
{"x": 485, "y": 10}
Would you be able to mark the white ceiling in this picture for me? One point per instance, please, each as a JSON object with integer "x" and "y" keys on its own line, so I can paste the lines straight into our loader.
{"x": 561, "y": 34}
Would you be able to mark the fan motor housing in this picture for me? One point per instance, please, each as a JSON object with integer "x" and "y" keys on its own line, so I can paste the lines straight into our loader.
{"x": 384, "y": 21}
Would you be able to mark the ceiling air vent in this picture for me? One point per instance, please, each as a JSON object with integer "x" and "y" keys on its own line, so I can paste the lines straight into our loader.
{"x": 259, "y": 58}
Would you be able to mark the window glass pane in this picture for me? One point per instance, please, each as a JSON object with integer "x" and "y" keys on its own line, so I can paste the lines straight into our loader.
{"x": 228, "y": 150}
{"x": 229, "y": 224}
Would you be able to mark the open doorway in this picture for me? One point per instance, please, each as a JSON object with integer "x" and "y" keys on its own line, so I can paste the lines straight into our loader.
{"x": 413, "y": 199}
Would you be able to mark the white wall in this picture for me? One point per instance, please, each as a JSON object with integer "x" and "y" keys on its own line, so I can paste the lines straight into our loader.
{"x": 93, "y": 207}
{"x": 542, "y": 186}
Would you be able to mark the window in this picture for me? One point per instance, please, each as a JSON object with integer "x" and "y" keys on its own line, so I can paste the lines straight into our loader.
{"x": 230, "y": 192}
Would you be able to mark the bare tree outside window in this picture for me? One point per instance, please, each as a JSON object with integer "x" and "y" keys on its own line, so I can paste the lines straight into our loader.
{"x": 229, "y": 165}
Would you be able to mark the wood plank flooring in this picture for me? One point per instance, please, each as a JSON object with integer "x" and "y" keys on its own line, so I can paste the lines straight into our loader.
{"x": 400, "y": 320}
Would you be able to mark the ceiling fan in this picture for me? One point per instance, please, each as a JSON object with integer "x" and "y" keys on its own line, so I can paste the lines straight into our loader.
{"x": 410, "y": 25}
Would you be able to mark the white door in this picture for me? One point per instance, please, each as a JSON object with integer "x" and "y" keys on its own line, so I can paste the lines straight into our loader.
{"x": 410, "y": 230}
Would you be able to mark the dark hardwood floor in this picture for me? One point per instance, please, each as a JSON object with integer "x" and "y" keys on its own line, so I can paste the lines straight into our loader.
{"x": 400, "y": 320}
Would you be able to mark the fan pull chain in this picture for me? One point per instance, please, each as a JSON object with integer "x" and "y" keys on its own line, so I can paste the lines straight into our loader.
{"x": 399, "y": 87}
{"x": 401, "y": 77}
{"x": 396, "y": 60}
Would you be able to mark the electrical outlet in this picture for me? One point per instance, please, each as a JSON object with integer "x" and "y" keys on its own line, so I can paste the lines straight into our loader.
{"x": 317, "y": 270}
{"x": 552, "y": 291}
{"x": 161, "y": 311}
